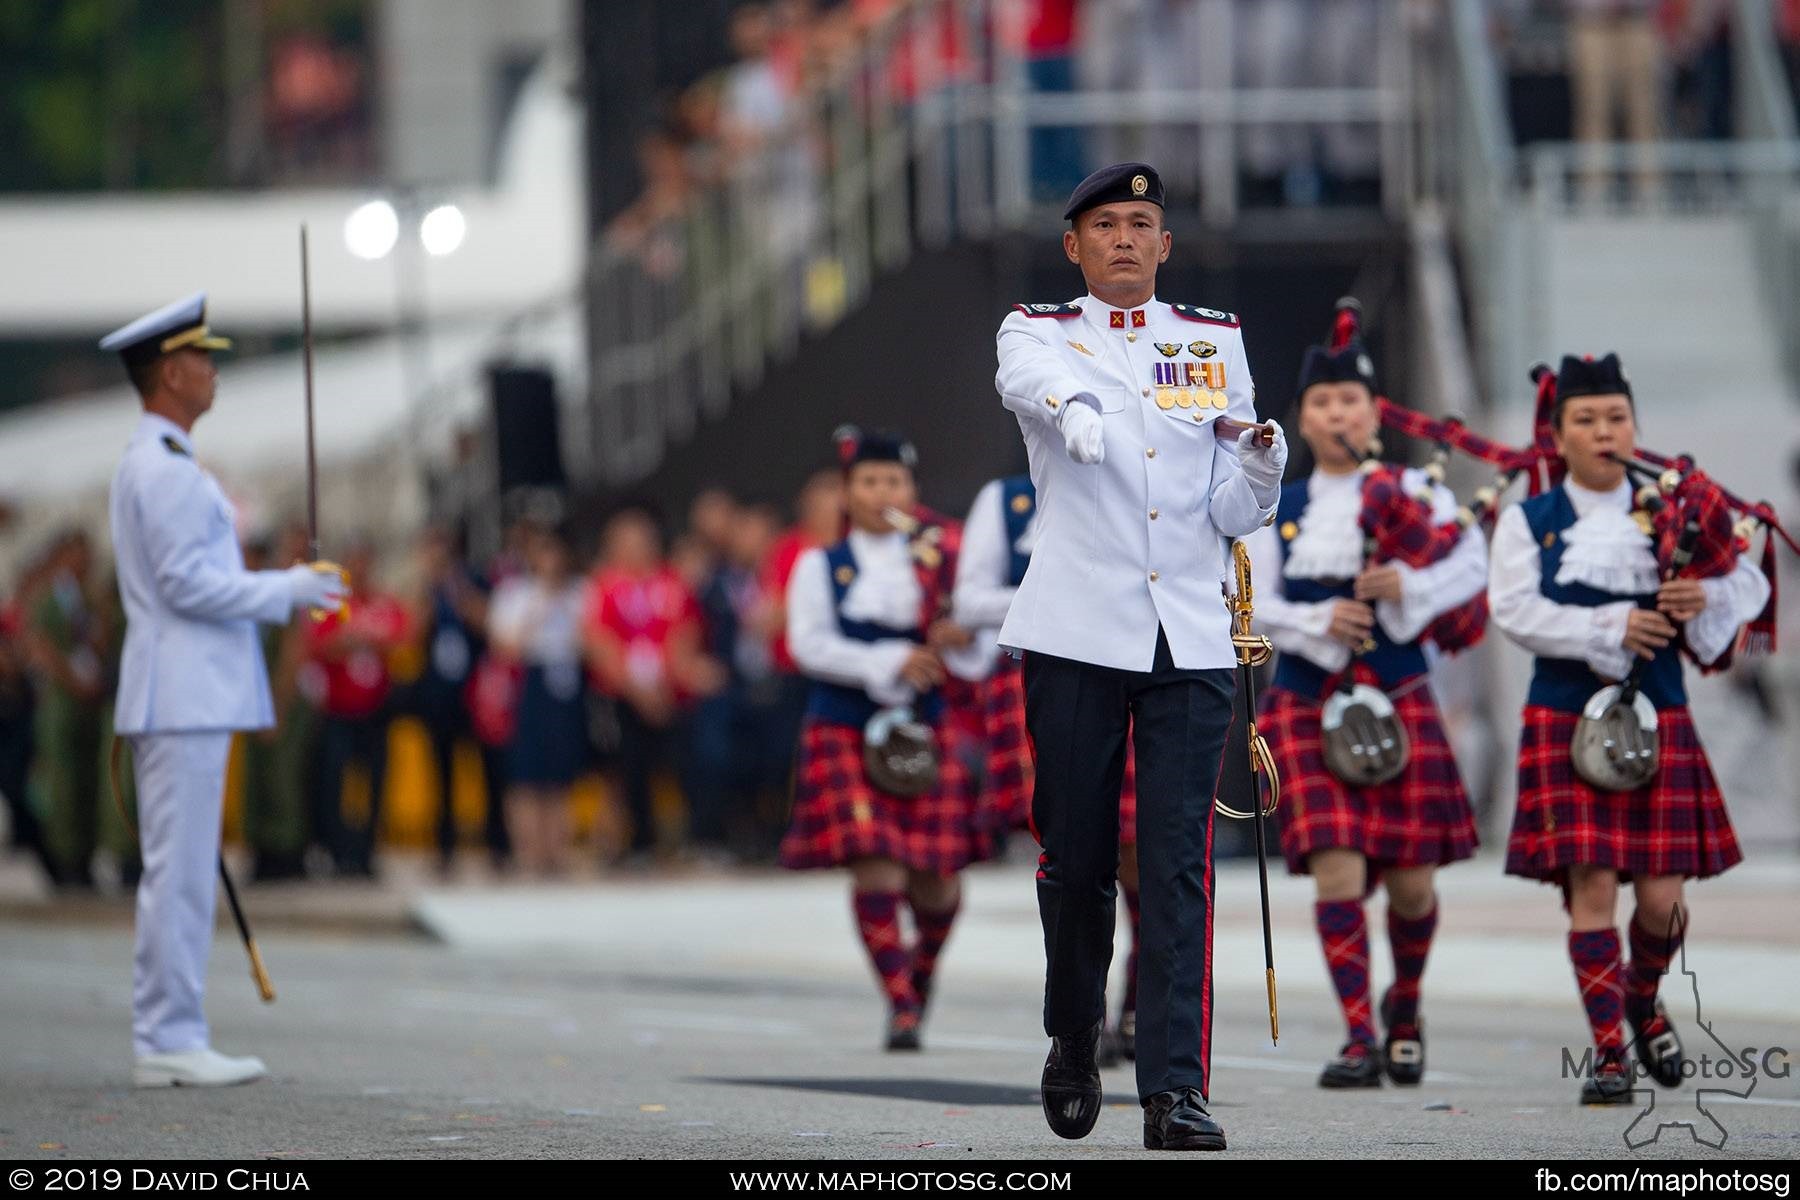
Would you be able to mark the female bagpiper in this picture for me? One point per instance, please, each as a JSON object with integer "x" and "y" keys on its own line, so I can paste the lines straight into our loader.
{"x": 1578, "y": 580}
{"x": 996, "y": 550}
{"x": 874, "y": 790}
{"x": 1352, "y": 673}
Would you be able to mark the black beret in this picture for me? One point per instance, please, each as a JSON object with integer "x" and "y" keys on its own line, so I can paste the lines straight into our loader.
{"x": 1590, "y": 377}
{"x": 1322, "y": 364}
{"x": 859, "y": 446}
{"x": 1121, "y": 181}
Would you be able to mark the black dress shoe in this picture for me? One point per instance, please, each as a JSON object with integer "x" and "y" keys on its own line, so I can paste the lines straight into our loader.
{"x": 1128, "y": 1035}
{"x": 1071, "y": 1083}
{"x": 1178, "y": 1120}
{"x": 1657, "y": 1045}
{"x": 1404, "y": 1049}
{"x": 903, "y": 1031}
{"x": 1607, "y": 1086}
{"x": 1358, "y": 1065}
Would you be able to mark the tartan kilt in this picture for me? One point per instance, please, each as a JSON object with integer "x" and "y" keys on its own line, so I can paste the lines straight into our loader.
{"x": 1675, "y": 825}
{"x": 839, "y": 816}
{"x": 1011, "y": 771}
{"x": 1421, "y": 818}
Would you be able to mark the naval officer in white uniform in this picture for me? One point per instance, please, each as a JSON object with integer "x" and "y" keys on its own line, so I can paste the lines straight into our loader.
{"x": 1122, "y": 621}
{"x": 192, "y": 672}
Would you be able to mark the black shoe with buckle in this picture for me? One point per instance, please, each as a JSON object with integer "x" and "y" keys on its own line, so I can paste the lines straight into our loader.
{"x": 1404, "y": 1050}
{"x": 1071, "y": 1083}
{"x": 1657, "y": 1044}
{"x": 1609, "y": 1085}
{"x": 1178, "y": 1120}
{"x": 1357, "y": 1065}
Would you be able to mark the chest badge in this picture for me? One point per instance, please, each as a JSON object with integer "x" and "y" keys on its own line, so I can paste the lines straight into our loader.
{"x": 1202, "y": 349}
{"x": 1167, "y": 349}
{"x": 1082, "y": 348}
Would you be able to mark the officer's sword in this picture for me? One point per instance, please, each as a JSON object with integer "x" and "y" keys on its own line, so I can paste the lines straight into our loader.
{"x": 1252, "y": 650}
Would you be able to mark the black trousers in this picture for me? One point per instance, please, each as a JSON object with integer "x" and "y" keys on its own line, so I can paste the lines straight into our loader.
{"x": 342, "y": 741}
{"x": 1078, "y": 715}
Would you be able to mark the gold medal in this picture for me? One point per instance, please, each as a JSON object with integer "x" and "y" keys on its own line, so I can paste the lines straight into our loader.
{"x": 1220, "y": 400}
{"x": 1165, "y": 398}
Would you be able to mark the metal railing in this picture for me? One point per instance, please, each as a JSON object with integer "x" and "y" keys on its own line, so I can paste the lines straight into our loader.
{"x": 921, "y": 136}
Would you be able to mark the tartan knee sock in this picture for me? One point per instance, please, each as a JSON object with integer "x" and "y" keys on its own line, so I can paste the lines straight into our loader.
{"x": 934, "y": 931}
{"x": 1131, "y": 960}
{"x": 878, "y": 920}
{"x": 1595, "y": 953}
{"x": 1650, "y": 956}
{"x": 1410, "y": 940}
{"x": 1344, "y": 932}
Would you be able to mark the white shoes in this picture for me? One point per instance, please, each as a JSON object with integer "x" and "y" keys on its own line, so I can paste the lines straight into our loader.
{"x": 195, "y": 1068}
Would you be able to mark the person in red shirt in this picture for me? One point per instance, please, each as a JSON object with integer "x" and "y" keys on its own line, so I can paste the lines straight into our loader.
{"x": 642, "y": 637}
{"x": 351, "y": 651}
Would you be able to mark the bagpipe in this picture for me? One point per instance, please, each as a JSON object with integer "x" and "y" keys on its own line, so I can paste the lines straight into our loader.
{"x": 900, "y": 751}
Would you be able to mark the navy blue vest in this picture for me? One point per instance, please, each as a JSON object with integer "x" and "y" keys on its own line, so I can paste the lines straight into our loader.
{"x": 1566, "y": 683}
{"x": 839, "y": 703}
{"x": 1018, "y": 500}
{"x": 1393, "y": 662}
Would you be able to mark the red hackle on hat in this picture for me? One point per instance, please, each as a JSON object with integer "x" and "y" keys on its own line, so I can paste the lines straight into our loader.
{"x": 1550, "y": 468}
{"x": 1346, "y": 326}
{"x": 845, "y": 439}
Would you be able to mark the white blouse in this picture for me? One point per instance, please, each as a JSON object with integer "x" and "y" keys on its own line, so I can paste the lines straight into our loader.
{"x": 1329, "y": 545}
{"x": 1605, "y": 549}
{"x": 885, "y": 592}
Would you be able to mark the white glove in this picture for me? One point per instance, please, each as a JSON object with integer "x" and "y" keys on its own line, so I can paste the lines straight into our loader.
{"x": 316, "y": 587}
{"x": 1084, "y": 433}
{"x": 1262, "y": 464}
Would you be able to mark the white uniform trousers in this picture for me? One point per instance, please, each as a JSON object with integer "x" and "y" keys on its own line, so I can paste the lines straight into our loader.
{"x": 181, "y": 796}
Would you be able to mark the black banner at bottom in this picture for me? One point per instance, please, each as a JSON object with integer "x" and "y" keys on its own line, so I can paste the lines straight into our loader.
{"x": 1082, "y": 1177}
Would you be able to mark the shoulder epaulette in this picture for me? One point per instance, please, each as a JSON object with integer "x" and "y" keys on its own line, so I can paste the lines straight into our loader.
{"x": 1206, "y": 316}
{"x": 1049, "y": 310}
{"x": 175, "y": 447}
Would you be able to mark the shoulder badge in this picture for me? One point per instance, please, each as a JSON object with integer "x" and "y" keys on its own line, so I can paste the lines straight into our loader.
{"x": 1049, "y": 310}
{"x": 1208, "y": 316}
{"x": 175, "y": 447}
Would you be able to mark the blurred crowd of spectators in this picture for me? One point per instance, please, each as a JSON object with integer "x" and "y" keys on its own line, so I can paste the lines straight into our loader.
{"x": 1634, "y": 70}
{"x": 656, "y": 666}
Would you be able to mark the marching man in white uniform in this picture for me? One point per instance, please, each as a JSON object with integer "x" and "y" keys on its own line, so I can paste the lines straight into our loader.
{"x": 192, "y": 673}
{"x": 1122, "y": 620}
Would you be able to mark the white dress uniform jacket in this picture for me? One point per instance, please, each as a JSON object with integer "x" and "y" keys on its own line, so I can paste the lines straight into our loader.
{"x": 1137, "y": 540}
{"x": 191, "y": 660}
